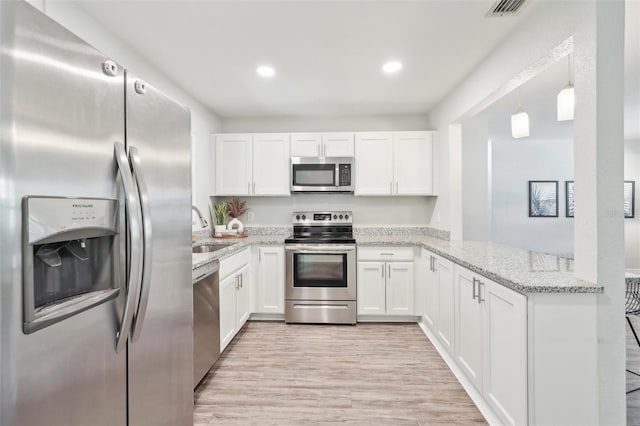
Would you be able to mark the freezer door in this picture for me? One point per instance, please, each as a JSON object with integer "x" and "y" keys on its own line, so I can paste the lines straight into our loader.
{"x": 161, "y": 346}
{"x": 60, "y": 114}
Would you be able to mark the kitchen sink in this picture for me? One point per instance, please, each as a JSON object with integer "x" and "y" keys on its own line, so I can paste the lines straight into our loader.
{"x": 209, "y": 248}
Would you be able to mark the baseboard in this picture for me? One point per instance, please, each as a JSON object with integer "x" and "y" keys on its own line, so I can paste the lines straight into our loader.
{"x": 385, "y": 318}
{"x": 477, "y": 398}
{"x": 266, "y": 317}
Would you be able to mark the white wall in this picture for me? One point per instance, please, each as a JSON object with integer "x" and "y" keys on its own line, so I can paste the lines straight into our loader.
{"x": 366, "y": 210}
{"x": 632, "y": 226}
{"x": 515, "y": 162}
{"x": 326, "y": 123}
{"x": 203, "y": 121}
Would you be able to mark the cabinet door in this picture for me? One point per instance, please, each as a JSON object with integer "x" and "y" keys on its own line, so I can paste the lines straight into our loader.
{"x": 469, "y": 325}
{"x": 505, "y": 342}
{"x": 271, "y": 164}
{"x": 306, "y": 144}
{"x": 233, "y": 164}
{"x": 227, "y": 310}
{"x": 242, "y": 297}
{"x": 413, "y": 163}
{"x": 430, "y": 282}
{"x": 446, "y": 302}
{"x": 400, "y": 286}
{"x": 374, "y": 164}
{"x": 270, "y": 280}
{"x": 371, "y": 288}
{"x": 337, "y": 144}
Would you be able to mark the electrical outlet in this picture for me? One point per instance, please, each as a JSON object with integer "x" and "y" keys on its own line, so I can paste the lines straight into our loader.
{"x": 251, "y": 216}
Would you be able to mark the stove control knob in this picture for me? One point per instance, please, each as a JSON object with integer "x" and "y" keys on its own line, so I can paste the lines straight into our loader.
{"x": 298, "y": 217}
{"x": 346, "y": 216}
{"x": 335, "y": 216}
{"x": 341, "y": 217}
{"x": 304, "y": 217}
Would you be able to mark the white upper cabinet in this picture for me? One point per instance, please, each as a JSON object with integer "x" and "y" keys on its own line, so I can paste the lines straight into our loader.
{"x": 413, "y": 163}
{"x": 337, "y": 144}
{"x": 252, "y": 164}
{"x": 374, "y": 164}
{"x": 399, "y": 163}
{"x": 270, "y": 164}
{"x": 234, "y": 164}
{"x": 322, "y": 145}
{"x": 306, "y": 144}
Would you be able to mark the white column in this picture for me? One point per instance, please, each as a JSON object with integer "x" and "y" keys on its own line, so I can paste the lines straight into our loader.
{"x": 598, "y": 156}
{"x": 475, "y": 185}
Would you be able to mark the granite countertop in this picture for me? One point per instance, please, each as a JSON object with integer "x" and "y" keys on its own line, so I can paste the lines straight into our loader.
{"x": 233, "y": 246}
{"x": 521, "y": 270}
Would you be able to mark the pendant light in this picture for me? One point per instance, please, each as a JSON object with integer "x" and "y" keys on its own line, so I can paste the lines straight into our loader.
{"x": 566, "y": 99}
{"x": 519, "y": 122}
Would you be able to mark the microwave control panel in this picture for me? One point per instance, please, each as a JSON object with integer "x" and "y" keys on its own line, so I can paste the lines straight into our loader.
{"x": 344, "y": 174}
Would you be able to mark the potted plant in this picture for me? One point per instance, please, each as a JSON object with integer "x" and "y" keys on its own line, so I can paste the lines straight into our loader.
{"x": 220, "y": 212}
{"x": 236, "y": 208}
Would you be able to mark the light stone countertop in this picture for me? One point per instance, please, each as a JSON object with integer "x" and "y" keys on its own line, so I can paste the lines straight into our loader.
{"x": 518, "y": 269}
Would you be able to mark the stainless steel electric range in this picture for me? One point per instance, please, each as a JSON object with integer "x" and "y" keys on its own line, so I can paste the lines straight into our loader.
{"x": 321, "y": 269}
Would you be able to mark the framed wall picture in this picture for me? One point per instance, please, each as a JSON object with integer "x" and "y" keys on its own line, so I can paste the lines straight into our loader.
{"x": 629, "y": 198}
{"x": 543, "y": 198}
{"x": 568, "y": 196}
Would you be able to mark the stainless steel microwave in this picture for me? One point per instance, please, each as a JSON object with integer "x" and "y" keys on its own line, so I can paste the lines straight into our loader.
{"x": 315, "y": 174}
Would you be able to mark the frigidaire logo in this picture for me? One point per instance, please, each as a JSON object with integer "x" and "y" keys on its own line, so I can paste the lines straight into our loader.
{"x": 83, "y": 206}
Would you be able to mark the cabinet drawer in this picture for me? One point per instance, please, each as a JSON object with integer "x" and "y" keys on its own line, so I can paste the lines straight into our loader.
{"x": 231, "y": 264}
{"x": 386, "y": 253}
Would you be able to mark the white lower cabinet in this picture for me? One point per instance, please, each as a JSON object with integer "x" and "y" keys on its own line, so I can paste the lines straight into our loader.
{"x": 491, "y": 343}
{"x": 505, "y": 350}
{"x": 483, "y": 326}
{"x": 269, "y": 280}
{"x": 469, "y": 318}
{"x": 371, "y": 288}
{"x": 386, "y": 279}
{"x": 234, "y": 295}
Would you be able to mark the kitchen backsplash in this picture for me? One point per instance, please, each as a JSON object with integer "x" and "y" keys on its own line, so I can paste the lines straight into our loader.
{"x": 400, "y": 230}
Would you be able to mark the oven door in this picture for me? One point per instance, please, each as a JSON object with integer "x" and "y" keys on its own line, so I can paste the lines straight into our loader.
{"x": 321, "y": 272}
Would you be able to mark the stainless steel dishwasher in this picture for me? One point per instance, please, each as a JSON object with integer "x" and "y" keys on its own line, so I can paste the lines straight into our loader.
{"x": 206, "y": 319}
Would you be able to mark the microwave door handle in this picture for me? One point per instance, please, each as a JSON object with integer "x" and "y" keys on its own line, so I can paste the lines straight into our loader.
{"x": 134, "y": 227}
{"x": 147, "y": 234}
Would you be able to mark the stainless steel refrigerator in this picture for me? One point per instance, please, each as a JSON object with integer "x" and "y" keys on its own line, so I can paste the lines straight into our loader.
{"x": 95, "y": 248}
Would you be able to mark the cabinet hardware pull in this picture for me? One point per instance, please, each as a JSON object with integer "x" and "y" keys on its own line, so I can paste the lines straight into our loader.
{"x": 474, "y": 288}
{"x": 386, "y": 254}
{"x": 389, "y": 265}
{"x": 480, "y": 284}
{"x": 382, "y": 270}
{"x": 431, "y": 258}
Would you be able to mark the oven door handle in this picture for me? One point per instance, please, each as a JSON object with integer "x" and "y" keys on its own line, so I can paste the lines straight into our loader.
{"x": 317, "y": 249}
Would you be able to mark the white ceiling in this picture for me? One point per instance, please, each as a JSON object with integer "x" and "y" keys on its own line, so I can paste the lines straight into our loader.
{"x": 327, "y": 54}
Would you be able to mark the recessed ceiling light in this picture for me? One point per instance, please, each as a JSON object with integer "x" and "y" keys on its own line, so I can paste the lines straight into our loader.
{"x": 392, "y": 67}
{"x": 265, "y": 71}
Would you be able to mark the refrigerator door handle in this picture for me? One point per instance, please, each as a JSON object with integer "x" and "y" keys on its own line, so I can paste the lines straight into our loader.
{"x": 147, "y": 236}
{"x": 134, "y": 225}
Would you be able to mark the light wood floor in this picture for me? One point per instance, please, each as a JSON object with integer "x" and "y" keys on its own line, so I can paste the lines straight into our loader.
{"x": 370, "y": 374}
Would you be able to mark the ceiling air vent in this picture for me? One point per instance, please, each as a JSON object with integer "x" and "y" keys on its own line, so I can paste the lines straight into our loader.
{"x": 505, "y": 8}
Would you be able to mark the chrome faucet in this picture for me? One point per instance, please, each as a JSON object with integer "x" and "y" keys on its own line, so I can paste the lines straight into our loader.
{"x": 203, "y": 221}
